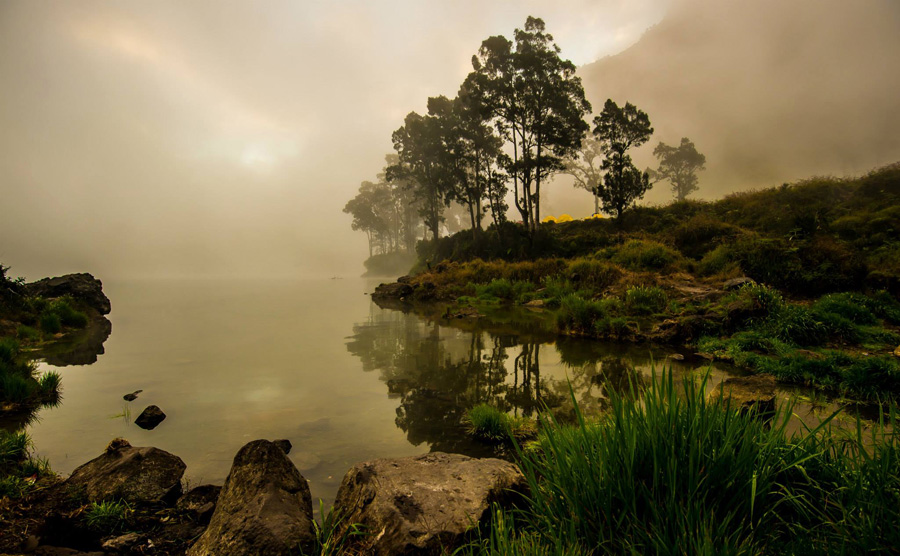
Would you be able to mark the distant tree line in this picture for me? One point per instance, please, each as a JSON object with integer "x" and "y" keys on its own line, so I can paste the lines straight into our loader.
{"x": 517, "y": 120}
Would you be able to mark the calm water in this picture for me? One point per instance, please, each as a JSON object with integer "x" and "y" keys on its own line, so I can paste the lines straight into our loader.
{"x": 313, "y": 361}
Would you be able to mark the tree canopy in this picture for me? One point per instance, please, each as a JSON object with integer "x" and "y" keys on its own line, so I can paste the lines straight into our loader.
{"x": 679, "y": 165}
{"x": 618, "y": 130}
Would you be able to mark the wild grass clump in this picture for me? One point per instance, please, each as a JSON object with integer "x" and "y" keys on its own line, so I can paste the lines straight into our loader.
{"x": 489, "y": 423}
{"x": 67, "y": 314}
{"x": 17, "y": 377}
{"x": 333, "y": 536}
{"x": 645, "y": 300}
{"x": 50, "y": 323}
{"x": 502, "y": 289}
{"x": 577, "y": 314}
{"x": 642, "y": 255}
{"x": 593, "y": 274}
{"x": 672, "y": 472}
{"x": 107, "y": 516}
{"x": 13, "y": 447}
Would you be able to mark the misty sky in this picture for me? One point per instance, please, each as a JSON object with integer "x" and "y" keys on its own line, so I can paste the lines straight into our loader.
{"x": 210, "y": 138}
{"x": 222, "y": 138}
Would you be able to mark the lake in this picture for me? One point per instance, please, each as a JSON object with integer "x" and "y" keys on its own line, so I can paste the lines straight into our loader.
{"x": 315, "y": 362}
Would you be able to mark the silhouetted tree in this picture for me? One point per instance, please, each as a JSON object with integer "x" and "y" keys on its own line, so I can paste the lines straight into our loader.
{"x": 423, "y": 161}
{"x": 537, "y": 104}
{"x": 618, "y": 130}
{"x": 679, "y": 165}
{"x": 585, "y": 166}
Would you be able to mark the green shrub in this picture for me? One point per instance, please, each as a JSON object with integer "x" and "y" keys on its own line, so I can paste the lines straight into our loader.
{"x": 850, "y": 306}
{"x": 701, "y": 234}
{"x": 578, "y": 314}
{"x": 49, "y": 384}
{"x": 28, "y": 333}
{"x": 645, "y": 300}
{"x": 68, "y": 315}
{"x": 50, "y": 323}
{"x": 645, "y": 255}
{"x": 593, "y": 274}
{"x": 15, "y": 388}
{"x": 797, "y": 325}
{"x": 761, "y": 297}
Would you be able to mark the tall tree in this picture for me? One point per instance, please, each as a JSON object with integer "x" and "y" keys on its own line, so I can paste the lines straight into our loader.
{"x": 537, "y": 103}
{"x": 422, "y": 161}
{"x": 618, "y": 130}
{"x": 679, "y": 165}
{"x": 585, "y": 166}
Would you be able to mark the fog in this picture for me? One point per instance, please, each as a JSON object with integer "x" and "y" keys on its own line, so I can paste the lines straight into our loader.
{"x": 154, "y": 139}
{"x": 771, "y": 91}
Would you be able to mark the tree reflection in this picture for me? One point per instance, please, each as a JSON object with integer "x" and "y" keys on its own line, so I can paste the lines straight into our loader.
{"x": 439, "y": 369}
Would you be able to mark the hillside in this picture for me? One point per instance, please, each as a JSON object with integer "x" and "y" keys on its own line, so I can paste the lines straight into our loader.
{"x": 770, "y": 91}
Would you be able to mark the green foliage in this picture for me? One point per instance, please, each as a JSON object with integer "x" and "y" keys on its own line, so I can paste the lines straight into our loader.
{"x": 50, "y": 323}
{"x": 12, "y": 486}
{"x": 701, "y": 234}
{"x": 645, "y": 300}
{"x": 489, "y": 423}
{"x": 505, "y": 290}
{"x": 107, "y": 516}
{"x": 333, "y": 537}
{"x": 671, "y": 472}
{"x": 679, "y": 165}
{"x": 619, "y": 130}
{"x": 27, "y": 333}
{"x": 593, "y": 274}
{"x": 67, "y": 314}
{"x": 578, "y": 314}
{"x": 13, "y": 447}
{"x": 17, "y": 380}
{"x": 797, "y": 325}
{"x": 645, "y": 255}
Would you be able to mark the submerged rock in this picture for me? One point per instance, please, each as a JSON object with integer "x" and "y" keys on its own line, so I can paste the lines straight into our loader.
{"x": 754, "y": 393}
{"x": 264, "y": 508}
{"x": 423, "y": 504}
{"x": 132, "y": 396}
{"x": 150, "y": 417}
{"x": 83, "y": 288}
{"x": 135, "y": 474}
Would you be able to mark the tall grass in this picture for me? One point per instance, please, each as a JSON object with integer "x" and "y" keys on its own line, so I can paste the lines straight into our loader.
{"x": 671, "y": 472}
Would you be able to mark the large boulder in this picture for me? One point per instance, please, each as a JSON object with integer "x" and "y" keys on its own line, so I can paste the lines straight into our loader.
{"x": 264, "y": 508}
{"x": 423, "y": 504}
{"x": 83, "y": 287}
{"x": 138, "y": 475}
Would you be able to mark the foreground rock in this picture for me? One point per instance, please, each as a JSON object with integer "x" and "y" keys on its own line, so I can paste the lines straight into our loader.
{"x": 264, "y": 508}
{"x": 138, "y": 475}
{"x": 423, "y": 504}
{"x": 83, "y": 287}
{"x": 748, "y": 393}
{"x": 150, "y": 417}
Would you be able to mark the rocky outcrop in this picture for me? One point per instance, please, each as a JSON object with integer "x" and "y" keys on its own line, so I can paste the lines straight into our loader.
{"x": 754, "y": 394}
{"x": 83, "y": 288}
{"x": 264, "y": 508}
{"x": 138, "y": 475}
{"x": 423, "y": 504}
{"x": 394, "y": 290}
{"x": 150, "y": 417}
{"x": 736, "y": 283}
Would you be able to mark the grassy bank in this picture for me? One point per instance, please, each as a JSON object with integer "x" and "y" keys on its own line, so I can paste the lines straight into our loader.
{"x": 795, "y": 281}
{"x": 671, "y": 472}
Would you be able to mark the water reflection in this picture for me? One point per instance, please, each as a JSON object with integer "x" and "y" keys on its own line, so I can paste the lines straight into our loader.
{"x": 437, "y": 369}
